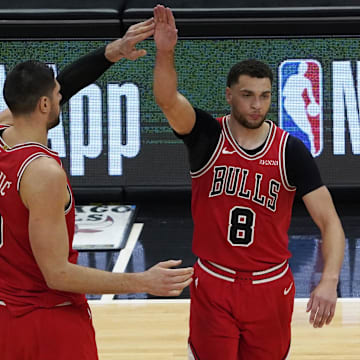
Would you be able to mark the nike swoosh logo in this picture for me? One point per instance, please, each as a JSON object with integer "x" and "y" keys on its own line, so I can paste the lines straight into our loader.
{"x": 287, "y": 290}
{"x": 227, "y": 152}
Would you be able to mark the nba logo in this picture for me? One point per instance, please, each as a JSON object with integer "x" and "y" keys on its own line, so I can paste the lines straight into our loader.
{"x": 300, "y": 102}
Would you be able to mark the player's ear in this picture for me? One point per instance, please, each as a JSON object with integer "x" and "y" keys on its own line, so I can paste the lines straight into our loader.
{"x": 228, "y": 95}
{"x": 44, "y": 104}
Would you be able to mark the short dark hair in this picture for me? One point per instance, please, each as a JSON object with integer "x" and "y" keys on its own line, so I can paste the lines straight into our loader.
{"x": 25, "y": 84}
{"x": 251, "y": 67}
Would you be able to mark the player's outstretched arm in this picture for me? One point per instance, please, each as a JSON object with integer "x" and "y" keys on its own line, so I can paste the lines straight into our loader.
{"x": 322, "y": 301}
{"x": 44, "y": 193}
{"x": 176, "y": 107}
{"x": 88, "y": 68}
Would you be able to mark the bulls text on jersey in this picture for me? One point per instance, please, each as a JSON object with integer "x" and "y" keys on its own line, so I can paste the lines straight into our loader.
{"x": 232, "y": 181}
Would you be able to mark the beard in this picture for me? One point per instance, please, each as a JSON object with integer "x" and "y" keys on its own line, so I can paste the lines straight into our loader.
{"x": 248, "y": 124}
{"x": 54, "y": 119}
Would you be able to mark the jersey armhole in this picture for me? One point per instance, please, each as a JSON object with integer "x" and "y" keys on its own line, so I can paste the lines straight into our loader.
{"x": 68, "y": 206}
{"x": 282, "y": 163}
{"x": 213, "y": 158}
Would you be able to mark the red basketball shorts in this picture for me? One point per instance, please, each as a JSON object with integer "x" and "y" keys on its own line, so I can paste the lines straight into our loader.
{"x": 63, "y": 332}
{"x": 240, "y": 316}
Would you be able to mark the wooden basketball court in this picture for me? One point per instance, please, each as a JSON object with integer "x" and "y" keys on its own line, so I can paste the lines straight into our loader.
{"x": 157, "y": 330}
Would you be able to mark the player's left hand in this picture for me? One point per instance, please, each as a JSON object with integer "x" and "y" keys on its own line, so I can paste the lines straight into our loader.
{"x": 165, "y": 35}
{"x": 125, "y": 47}
{"x": 322, "y": 303}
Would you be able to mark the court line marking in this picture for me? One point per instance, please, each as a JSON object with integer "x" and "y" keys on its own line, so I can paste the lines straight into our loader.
{"x": 185, "y": 301}
{"x": 123, "y": 259}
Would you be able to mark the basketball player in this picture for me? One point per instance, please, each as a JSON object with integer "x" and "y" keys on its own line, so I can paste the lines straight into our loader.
{"x": 245, "y": 171}
{"x": 43, "y": 310}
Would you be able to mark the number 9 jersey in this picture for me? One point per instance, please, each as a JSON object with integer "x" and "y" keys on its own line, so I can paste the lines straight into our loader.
{"x": 242, "y": 204}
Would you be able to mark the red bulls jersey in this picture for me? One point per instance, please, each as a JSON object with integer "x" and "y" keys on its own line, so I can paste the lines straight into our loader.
{"x": 22, "y": 285}
{"x": 242, "y": 204}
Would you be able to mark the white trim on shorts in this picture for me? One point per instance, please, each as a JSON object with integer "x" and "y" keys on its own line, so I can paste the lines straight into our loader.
{"x": 190, "y": 353}
{"x": 278, "y": 276}
{"x": 223, "y": 268}
{"x": 269, "y": 270}
{"x": 256, "y": 273}
{"x": 214, "y": 273}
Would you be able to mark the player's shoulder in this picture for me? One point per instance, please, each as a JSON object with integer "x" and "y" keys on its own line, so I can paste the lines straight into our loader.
{"x": 200, "y": 113}
{"x": 274, "y": 126}
{"x": 47, "y": 164}
{"x": 45, "y": 169}
{"x": 295, "y": 144}
{"x": 204, "y": 118}
{"x": 42, "y": 181}
{"x": 296, "y": 151}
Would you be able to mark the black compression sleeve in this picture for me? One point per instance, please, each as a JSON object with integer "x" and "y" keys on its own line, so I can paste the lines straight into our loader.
{"x": 201, "y": 142}
{"x": 301, "y": 168}
{"x": 82, "y": 73}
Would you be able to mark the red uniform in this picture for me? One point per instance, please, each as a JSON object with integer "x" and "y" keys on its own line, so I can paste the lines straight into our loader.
{"x": 24, "y": 295}
{"x": 242, "y": 295}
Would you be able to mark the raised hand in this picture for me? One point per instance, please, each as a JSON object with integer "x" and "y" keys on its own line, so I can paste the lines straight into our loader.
{"x": 162, "y": 280}
{"x": 125, "y": 47}
{"x": 165, "y": 35}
